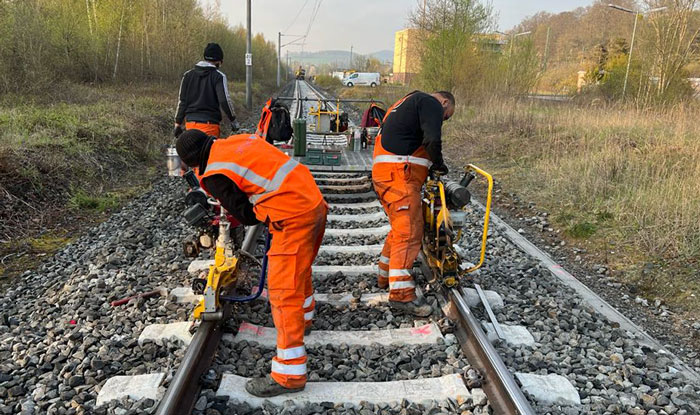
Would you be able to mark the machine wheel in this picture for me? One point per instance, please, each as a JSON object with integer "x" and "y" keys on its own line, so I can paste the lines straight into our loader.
{"x": 373, "y": 84}
{"x": 350, "y": 85}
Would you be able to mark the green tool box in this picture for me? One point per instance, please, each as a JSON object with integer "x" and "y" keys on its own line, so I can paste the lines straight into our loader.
{"x": 331, "y": 159}
{"x": 314, "y": 157}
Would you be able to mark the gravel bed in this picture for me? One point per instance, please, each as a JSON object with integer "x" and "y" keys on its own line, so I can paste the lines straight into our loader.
{"x": 341, "y": 210}
{"x": 608, "y": 367}
{"x": 60, "y": 339}
{"x": 341, "y": 283}
{"x": 354, "y": 240}
{"x": 354, "y": 199}
{"x": 340, "y": 189}
{"x": 329, "y": 317}
{"x": 346, "y": 259}
{"x": 334, "y": 224}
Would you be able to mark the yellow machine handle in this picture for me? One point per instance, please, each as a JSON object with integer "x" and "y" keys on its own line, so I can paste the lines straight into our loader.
{"x": 487, "y": 214}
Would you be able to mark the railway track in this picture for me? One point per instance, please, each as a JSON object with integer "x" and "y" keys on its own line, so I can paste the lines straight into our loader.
{"x": 64, "y": 349}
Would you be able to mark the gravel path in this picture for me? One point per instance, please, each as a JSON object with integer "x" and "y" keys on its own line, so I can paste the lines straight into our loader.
{"x": 610, "y": 370}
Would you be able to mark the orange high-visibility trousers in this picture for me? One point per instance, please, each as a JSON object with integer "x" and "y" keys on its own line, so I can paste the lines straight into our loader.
{"x": 206, "y": 128}
{"x": 295, "y": 244}
{"x": 398, "y": 181}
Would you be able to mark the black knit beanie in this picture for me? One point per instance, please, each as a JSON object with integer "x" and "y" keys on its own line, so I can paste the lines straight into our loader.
{"x": 190, "y": 145}
{"x": 213, "y": 52}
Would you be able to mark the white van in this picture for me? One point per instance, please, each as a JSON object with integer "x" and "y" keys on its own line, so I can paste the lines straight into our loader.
{"x": 362, "y": 78}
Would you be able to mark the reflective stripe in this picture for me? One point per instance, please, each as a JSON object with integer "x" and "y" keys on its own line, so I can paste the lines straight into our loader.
{"x": 282, "y": 369}
{"x": 310, "y": 315}
{"x": 308, "y": 301}
{"x": 291, "y": 353}
{"x": 268, "y": 185}
{"x": 228, "y": 97}
{"x": 400, "y": 285}
{"x": 383, "y": 259}
{"x": 276, "y": 181}
{"x": 383, "y": 272}
{"x": 399, "y": 272}
{"x": 402, "y": 159}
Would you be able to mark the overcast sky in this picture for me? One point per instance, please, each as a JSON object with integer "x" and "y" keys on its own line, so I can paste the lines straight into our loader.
{"x": 368, "y": 25}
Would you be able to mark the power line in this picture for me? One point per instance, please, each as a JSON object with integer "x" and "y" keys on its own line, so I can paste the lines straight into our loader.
{"x": 297, "y": 16}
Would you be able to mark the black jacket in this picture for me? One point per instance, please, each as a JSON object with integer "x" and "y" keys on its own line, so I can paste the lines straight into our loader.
{"x": 417, "y": 121}
{"x": 203, "y": 91}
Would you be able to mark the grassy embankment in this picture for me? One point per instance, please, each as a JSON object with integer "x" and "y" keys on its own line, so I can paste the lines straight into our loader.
{"x": 624, "y": 184}
{"x": 70, "y": 158}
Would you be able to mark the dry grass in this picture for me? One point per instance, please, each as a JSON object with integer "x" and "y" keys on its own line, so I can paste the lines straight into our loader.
{"x": 611, "y": 175}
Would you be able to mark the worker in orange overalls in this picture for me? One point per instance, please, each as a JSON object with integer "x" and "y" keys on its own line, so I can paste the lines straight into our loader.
{"x": 204, "y": 95}
{"x": 407, "y": 147}
{"x": 258, "y": 183}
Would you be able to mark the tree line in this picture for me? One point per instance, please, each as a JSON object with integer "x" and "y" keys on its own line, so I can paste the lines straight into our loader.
{"x": 460, "y": 49}
{"x": 45, "y": 41}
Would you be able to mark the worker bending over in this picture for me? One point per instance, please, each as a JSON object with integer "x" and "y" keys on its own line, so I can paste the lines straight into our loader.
{"x": 258, "y": 183}
{"x": 407, "y": 147}
{"x": 204, "y": 94}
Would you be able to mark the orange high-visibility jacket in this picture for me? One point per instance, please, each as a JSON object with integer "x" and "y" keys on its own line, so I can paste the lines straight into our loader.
{"x": 277, "y": 186}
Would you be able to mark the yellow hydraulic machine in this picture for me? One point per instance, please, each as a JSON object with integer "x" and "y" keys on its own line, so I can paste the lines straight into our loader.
{"x": 444, "y": 202}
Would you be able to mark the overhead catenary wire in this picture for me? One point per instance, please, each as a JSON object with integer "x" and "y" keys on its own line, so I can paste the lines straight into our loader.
{"x": 297, "y": 16}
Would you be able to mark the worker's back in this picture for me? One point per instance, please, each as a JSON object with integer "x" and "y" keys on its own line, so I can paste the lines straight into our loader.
{"x": 203, "y": 95}
{"x": 277, "y": 186}
{"x": 408, "y": 121}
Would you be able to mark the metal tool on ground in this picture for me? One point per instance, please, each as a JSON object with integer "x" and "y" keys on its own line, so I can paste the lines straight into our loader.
{"x": 159, "y": 292}
{"x": 489, "y": 311}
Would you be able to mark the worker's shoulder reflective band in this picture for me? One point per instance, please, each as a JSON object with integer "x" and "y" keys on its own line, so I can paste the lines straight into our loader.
{"x": 308, "y": 301}
{"x": 403, "y": 159}
{"x": 291, "y": 353}
{"x": 282, "y": 369}
{"x": 269, "y": 185}
{"x": 400, "y": 285}
{"x": 399, "y": 272}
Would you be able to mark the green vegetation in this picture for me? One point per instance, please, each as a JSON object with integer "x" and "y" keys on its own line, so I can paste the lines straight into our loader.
{"x": 611, "y": 176}
{"x": 48, "y": 41}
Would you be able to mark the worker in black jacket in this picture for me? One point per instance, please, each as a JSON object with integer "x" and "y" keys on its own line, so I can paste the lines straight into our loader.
{"x": 408, "y": 147}
{"x": 204, "y": 94}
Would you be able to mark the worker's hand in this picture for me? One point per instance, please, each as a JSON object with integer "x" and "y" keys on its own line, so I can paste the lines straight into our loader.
{"x": 439, "y": 169}
{"x": 234, "y": 126}
{"x": 177, "y": 131}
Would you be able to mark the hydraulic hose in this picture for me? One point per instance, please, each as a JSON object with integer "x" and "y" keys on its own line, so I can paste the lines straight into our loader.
{"x": 261, "y": 283}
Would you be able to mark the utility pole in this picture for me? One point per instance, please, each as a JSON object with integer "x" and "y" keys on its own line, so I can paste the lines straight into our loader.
{"x": 249, "y": 62}
{"x": 629, "y": 57}
{"x": 350, "y": 57}
{"x": 279, "y": 57}
{"x": 636, "y": 14}
{"x": 546, "y": 51}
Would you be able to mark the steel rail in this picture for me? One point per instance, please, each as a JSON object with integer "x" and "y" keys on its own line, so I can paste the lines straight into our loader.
{"x": 183, "y": 391}
{"x": 505, "y": 397}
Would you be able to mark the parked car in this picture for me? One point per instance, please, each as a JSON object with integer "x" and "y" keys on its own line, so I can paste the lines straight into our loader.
{"x": 362, "y": 78}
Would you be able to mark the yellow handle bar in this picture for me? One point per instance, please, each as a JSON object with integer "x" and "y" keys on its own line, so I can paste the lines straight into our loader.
{"x": 487, "y": 214}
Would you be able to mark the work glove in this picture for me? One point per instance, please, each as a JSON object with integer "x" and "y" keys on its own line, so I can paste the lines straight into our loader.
{"x": 439, "y": 169}
{"x": 177, "y": 131}
{"x": 234, "y": 126}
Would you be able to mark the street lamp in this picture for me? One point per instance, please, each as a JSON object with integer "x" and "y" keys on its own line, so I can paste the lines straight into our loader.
{"x": 636, "y": 14}
{"x": 512, "y": 39}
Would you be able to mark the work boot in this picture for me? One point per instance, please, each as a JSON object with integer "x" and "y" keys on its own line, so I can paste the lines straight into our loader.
{"x": 418, "y": 307}
{"x": 267, "y": 387}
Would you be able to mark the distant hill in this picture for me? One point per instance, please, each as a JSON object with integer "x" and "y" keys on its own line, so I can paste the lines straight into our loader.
{"x": 338, "y": 58}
